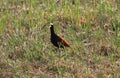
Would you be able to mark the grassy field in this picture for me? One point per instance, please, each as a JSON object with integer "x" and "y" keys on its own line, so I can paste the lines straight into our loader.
{"x": 92, "y": 27}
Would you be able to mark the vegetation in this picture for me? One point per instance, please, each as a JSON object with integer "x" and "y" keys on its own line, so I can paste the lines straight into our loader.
{"x": 92, "y": 27}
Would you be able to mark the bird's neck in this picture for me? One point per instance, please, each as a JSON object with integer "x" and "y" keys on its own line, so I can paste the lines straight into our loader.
{"x": 52, "y": 31}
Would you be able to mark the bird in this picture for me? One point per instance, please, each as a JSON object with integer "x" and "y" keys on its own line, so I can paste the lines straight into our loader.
{"x": 57, "y": 40}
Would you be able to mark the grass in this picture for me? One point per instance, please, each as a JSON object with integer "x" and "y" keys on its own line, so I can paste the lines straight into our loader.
{"x": 91, "y": 27}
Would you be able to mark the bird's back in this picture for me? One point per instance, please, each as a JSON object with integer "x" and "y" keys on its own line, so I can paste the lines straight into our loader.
{"x": 58, "y": 41}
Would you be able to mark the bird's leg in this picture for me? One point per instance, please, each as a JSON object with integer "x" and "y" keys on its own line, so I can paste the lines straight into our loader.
{"x": 64, "y": 52}
{"x": 59, "y": 49}
{"x": 58, "y": 53}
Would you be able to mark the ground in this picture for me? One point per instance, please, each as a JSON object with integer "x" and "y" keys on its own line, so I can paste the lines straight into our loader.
{"x": 92, "y": 27}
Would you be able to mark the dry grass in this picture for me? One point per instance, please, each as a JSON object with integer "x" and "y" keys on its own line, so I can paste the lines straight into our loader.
{"x": 91, "y": 27}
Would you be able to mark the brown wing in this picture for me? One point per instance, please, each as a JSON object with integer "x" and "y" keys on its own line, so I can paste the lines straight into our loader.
{"x": 64, "y": 42}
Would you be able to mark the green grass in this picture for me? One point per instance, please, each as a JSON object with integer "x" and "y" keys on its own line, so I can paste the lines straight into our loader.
{"x": 91, "y": 27}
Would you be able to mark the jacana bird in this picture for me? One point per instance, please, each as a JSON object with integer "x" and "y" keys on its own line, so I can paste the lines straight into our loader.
{"x": 57, "y": 40}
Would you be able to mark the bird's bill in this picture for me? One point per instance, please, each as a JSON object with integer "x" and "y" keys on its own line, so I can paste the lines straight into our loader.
{"x": 50, "y": 25}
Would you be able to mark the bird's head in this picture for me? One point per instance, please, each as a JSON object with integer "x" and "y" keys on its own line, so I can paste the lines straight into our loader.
{"x": 51, "y": 28}
{"x": 51, "y": 25}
